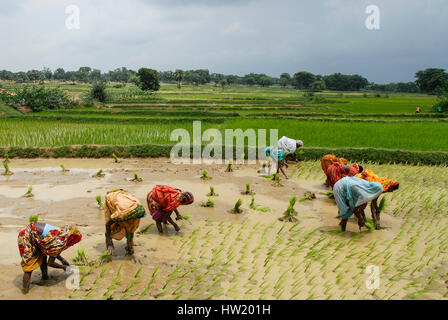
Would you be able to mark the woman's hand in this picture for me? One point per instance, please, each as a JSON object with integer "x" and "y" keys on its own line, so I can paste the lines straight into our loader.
{"x": 64, "y": 262}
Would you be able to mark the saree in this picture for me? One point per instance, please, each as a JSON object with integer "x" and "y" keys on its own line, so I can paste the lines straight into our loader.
{"x": 389, "y": 185}
{"x": 125, "y": 211}
{"x": 33, "y": 247}
{"x": 352, "y": 192}
{"x": 162, "y": 200}
{"x": 329, "y": 159}
{"x": 287, "y": 144}
{"x": 337, "y": 171}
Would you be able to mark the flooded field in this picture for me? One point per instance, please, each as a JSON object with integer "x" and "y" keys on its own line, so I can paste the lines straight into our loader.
{"x": 219, "y": 255}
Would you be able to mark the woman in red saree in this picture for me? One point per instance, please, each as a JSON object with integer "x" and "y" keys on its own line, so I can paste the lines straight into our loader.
{"x": 163, "y": 200}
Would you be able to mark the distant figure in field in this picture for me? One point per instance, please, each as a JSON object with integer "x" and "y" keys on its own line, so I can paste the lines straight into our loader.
{"x": 123, "y": 213}
{"x": 276, "y": 158}
{"x": 39, "y": 240}
{"x": 419, "y": 110}
{"x": 352, "y": 195}
{"x": 163, "y": 200}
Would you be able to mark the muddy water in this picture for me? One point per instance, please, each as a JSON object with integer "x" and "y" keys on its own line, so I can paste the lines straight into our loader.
{"x": 69, "y": 198}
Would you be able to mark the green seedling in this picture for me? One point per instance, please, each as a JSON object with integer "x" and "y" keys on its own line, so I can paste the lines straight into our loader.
{"x": 208, "y": 204}
{"x": 290, "y": 213}
{"x": 236, "y": 209}
{"x": 6, "y": 166}
{"x": 308, "y": 196}
{"x": 276, "y": 178}
{"x": 253, "y": 206}
{"x": 99, "y": 174}
{"x": 212, "y": 192}
{"x": 81, "y": 258}
{"x": 205, "y": 175}
{"x": 105, "y": 257}
{"x": 115, "y": 157}
{"x": 145, "y": 229}
{"x": 329, "y": 194}
{"x": 29, "y": 193}
{"x": 64, "y": 169}
{"x": 33, "y": 218}
{"x": 99, "y": 202}
{"x": 370, "y": 224}
{"x": 248, "y": 190}
{"x": 136, "y": 178}
{"x": 382, "y": 205}
{"x": 229, "y": 167}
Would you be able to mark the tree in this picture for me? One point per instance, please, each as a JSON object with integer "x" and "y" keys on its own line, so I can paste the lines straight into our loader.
{"x": 318, "y": 86}
{"x": 148, "y": 79}
{"x": 95, "y": 75}
{"x": 432, "y": 80}
{"x": 303, "y": 80}
{"x": 59, "y": 74}
{"x": 223, "y": 83}
{"x": 179, "y": 76}
{"x": 265, "y": 81}
{"x": 47, "y": 73}
{"x": 98, "y": 91}
{"x": 285, "y": 80}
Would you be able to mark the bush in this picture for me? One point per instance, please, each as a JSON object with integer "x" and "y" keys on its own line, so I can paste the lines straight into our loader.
{"x": 98, "y": 91}
{"x": 39, "y": 99}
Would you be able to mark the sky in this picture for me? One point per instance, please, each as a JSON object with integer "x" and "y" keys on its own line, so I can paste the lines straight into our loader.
{"x": 227, "y": 36}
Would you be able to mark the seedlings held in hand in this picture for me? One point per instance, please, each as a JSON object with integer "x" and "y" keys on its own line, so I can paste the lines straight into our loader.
{"x": 212, "y": 192}
{"x": 29, "y": 193}
{"x": 236, "y": 209}
{"x": 33, "y": 218}
{"x": 205, "y": 175}
{"x": 208, "y": 204}
{"x": 99, "y": 202}
{"x": 99, "y": 174}
{"x": 290, "y": 213}
{"x": 136, "y": 178}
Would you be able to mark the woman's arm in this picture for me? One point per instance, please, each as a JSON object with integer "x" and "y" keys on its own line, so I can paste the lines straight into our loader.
{"x": 178, "y": 216}
{"x": 64, "y": 262}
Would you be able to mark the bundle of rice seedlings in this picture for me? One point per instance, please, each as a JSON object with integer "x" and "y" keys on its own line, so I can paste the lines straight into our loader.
{"x": 105, "y": 257}
{"x": 99, "y": 202}
{"x": 205, "y": 175}
{"x": 290, "y": 213}
{"x": 229, "y": 167}
{"x": 208, "y": 204}
{"x": 136, "y": 178}
{"x": 33, "y": 218}
{"x": 81, "y": 258}
{"x": 63, "y": 168}
{"x": 236, "y": 209}
{"x": 308, "y": 196}
{"x": 99, "y": 174}
{"x": 29, "y": 193}
{"x": 253, "y": 206}
{"x": 115, "y": 157}
{"x": 329, "y": 194}
{"x": 276, "y": 178}
{"x": 212, "y": 192}
{"x": 6, "y": 166}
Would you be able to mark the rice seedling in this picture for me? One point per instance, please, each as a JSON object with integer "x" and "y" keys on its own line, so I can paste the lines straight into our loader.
{"x": 99, "y": 202}
{"x": 308, "y": 196}
{"x": 329, "y": 194}
{"x": 99, "y": 174}
{"x": 248, "y": 191}
{"x": 115, "y": 282}
{"x": 212, "y": 192}
{"x": 136, "y": 178}
{"x": 64, "y": 169}
{"x": 105, "y": 257}
{"x": 205, "y": 175}
{"x": 151, "y": 281}
{"x": 229, "y": 167}
{"x": 115, "y": 158}
{"x": 29, "y": 193}
{"x": 253, "y": 206}
{"x": 145, "y": 229}
{"x": 207, "y": 204}
{"x": 33, "y": 218}
{"x": 81, "y": 258}
{"x": 290, "y": 213}
{"x": 237, "y": 208}
{"x": 6, "y": 167}
{"x": 276, "y": 178}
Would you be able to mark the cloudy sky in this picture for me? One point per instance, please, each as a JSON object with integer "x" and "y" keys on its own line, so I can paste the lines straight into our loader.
{"x": 228, "y": 36}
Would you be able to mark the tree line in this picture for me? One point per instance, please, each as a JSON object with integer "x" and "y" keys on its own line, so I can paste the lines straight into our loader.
{"x": 432, "y": 80}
